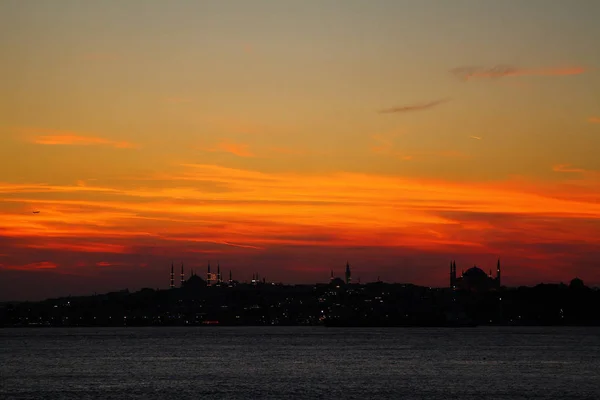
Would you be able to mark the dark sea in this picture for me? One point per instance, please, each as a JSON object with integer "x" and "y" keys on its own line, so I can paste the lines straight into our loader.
{"x": 300, "y": 363}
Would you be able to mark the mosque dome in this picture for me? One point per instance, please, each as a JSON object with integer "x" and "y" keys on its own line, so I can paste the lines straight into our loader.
{"x": 475, "y": 273}
{"x": 476, "y": 279}
{"x": 194, "y": 282}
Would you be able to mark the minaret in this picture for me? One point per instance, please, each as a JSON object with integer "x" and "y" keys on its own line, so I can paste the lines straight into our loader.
{"x": 348, "y": 274}
{"x": 498, "y": 274}
{"x": 182, "y": 275}
{"x": 208, "y": 276}
{"x": 230, "y": 279}
{"x": 331, "y": 278}
{"x": 172, "y": 277}
{"x": 452, "y": 275}
{"x": 218, "y": 273}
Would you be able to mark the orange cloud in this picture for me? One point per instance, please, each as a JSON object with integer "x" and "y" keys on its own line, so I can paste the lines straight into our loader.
{"x": 567, "y": 168}
{"x": 594, "y": 120}
{"x": 72, "y": 140}
{"x": 106, "y": 264}
{"x": 500, "y": 71}
{"x": 43, "y": 265}
{"x": 53, "y": 137}
{"x": 238, "y": 149}
{"x": 359, "y": 200}
{"x": 81, "y": 247}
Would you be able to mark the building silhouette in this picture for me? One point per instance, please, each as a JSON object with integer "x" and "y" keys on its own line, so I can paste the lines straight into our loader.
{"x": 348, "y": 274}
{"x": 182, "y": 275}
{"x": 211, "y": 278}
{"x": 172, "y": 285}
{"x": 339, "y": 282}
{"x": 194, "y": 283}
{"x": 474, "y": 279}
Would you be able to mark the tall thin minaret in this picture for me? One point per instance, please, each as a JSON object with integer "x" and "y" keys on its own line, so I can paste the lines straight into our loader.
{"x": 172, "y": 277}
{"x": 182, "y": 275}
{"x": 348, "y": 274}
{"x": 451, "y": 274}
{"x": 331, "y": 277}
{"x": 218, "y": 273}
{"x": 208, "y": 276}
{"x": 498, "y": 282}
{"x": 230, "y": 278}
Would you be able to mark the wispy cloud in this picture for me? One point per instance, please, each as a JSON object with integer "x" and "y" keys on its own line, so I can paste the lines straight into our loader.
{"x": 72, "y": 140}
{"x": 499, "y": 71}
{"x": 53, "y": 137}
{"x": 103, "y": 248}
{"x": 104, "y": 264}
{"x": 567, "y": 168}
{"x": 238, "y": 149}
{"x": 594, "y": 120}
{"x": 413, "y": 107}
{"x": 43, "y": 265}
{"x": 475, "y": 137}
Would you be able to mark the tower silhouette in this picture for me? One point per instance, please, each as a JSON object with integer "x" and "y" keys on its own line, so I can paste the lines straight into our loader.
{"x": 348, "y": 274}
{"x": 208, "y": 276}
{"x": 218, "y": 273}
{"x": 172, "y": 277}
{"x": 182, "y": 276}
{"x": 453, "y": 274}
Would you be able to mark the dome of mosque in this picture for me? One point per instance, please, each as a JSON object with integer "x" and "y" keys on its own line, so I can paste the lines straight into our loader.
{"x": 475, "y": 273}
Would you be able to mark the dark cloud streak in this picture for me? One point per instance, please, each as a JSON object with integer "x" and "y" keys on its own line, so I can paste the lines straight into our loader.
{"x": 413, "y": 107}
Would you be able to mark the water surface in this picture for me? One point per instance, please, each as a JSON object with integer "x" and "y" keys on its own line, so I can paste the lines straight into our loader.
{"x": 300, "y": 362}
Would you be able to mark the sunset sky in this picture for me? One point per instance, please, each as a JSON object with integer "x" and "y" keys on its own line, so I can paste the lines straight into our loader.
{"x": 288, "y": 137}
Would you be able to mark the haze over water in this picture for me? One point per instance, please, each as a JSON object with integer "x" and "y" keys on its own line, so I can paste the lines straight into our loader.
{"x": 290, "y": 363}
